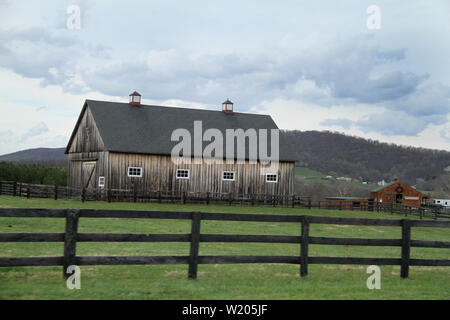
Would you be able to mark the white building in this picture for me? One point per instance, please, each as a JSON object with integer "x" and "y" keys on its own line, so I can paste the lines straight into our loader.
{"x": 442, "y": 202}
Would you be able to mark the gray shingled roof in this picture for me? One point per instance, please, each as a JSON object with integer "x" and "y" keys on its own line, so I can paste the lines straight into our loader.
{"x": 148, "y": 129}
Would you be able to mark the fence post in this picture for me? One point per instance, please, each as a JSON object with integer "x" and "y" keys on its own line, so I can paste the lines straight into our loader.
{"x": 56, "y": 192}
{"x": 406, "y": 245}
{"x": 309, "y": 203}
{"x": 134, "y": 194}
{"x": 229, "y": 198}
{"x": 28, "y": 192}
{"x": 83, "y": 195}
{"x": 195, "y": 241}
{"x": 70, "y": 240}
{"x": 1, "y": 187}
{"x": 14, "y": 188}
{"x": 108, "y": 195}
{"x": 304, "y": 247}
{"x": 207, "y": 197}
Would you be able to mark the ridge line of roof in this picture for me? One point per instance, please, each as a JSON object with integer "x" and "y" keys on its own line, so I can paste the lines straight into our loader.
{"x": 175, "y": 107}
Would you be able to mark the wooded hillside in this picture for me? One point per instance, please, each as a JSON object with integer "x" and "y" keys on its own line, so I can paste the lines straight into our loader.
{"x": 365, "y": 159}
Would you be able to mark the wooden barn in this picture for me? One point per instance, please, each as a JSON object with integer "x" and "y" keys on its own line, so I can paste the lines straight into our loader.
{"x": 398, "y": 192}
{"x": 128, "y": 146}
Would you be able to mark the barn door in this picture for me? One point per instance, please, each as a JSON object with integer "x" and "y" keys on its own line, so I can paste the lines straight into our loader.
{"x": 89, "y": 175}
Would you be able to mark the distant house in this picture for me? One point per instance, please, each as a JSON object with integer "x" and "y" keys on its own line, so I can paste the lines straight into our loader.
{"x": 344, "y": 179}
{"x": 128, "y": 146}
{"x": 398, "y": 192}
{"x": 442, "y": 202}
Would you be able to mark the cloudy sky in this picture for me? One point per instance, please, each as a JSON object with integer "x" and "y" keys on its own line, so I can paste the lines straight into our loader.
{"x": 378, "y": 72}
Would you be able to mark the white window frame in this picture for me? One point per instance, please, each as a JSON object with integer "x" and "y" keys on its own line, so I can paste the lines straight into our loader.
{"x": 272, "y": 174}
{"x": 134, "y": 175}
{"x": 101, "y": 181}
{"x": 226, "y": 179}
{"x": 188, "y": 174}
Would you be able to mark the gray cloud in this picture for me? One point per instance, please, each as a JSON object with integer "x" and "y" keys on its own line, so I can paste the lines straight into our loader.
{"x": 430, "y": 99}
{"x": 340, "y": 122}
{"x": 51, "y": 55}
{"x": 342, "y": 73}
{"x": 397, "y": 123}
{"x": 35, "y": 131}
{"x": 445, "y": 134}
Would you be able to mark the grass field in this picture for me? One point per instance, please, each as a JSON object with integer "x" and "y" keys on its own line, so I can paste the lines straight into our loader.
{"x": 239, "y": 281}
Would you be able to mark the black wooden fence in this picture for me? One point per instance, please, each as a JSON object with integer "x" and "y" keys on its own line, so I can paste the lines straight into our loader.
{"x": 13, "y": 188}
{"x": 30, "y": 190}
{"x": 195, "y": 237}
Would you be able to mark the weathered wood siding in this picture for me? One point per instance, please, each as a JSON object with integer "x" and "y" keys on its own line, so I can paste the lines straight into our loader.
{"x": 87, "y": 138}
{"x": 159, "y": 174}
{"x": 77, "y": 174}
{"x": 87, "y": 146}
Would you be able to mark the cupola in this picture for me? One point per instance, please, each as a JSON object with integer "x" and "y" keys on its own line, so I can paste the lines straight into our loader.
{"x": 135, "y": 98}
{"x": 227, "y": 106}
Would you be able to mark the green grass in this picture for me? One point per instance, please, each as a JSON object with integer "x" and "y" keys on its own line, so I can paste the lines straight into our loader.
{"x": 309, "y": 176}
{"x": 238, "y": 281}
{"x": 308, "y": 173}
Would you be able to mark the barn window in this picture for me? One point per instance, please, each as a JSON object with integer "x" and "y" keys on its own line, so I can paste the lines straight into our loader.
{"x": 87, "y": 135}
{"x": 134, "y": 171}
{"x": 101, "y": 182}
{"x": 228, "y": 175}
{"x": 271, "y": 177}
{"x": 182, "y": 173}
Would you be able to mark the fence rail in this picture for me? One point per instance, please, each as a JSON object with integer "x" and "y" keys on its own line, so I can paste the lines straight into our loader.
{"x": 195, "y": 237}
{"x": 12, "y": 188}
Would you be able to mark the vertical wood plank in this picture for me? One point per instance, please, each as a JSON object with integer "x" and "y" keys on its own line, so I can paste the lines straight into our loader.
{"x": 304, "y": 247}
{"x": 406, "y": 245}
{"x": 70, "y": 240}
{"x": 195, "y": 241}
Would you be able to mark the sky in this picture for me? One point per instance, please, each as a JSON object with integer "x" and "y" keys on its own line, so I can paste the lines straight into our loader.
{"x": 374, "y": 69}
